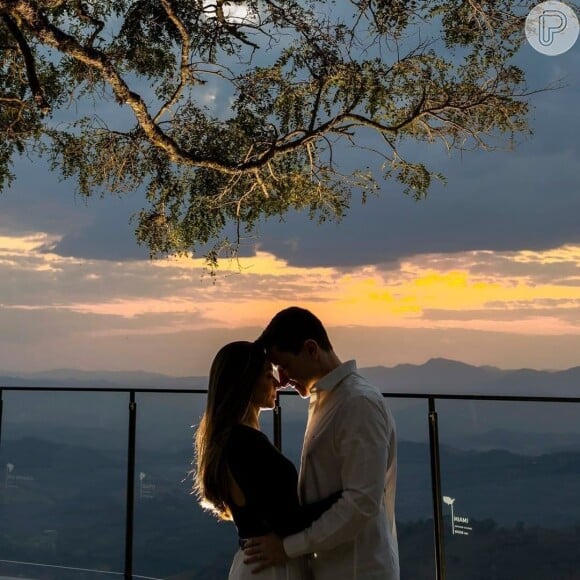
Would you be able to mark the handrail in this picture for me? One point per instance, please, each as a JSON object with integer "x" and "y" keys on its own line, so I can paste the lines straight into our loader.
{"x": 395, "y": 394}
{"x": 105, "y": 389}
{"x": 40, "y": 565}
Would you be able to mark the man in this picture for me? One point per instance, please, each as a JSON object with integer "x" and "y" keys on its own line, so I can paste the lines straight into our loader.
{"x": 349, "y": 445}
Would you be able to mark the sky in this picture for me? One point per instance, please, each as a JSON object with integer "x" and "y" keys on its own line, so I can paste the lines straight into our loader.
{"x": 486, "y": 270}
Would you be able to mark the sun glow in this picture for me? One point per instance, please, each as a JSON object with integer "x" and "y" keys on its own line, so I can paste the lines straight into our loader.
{"x": 524, "y": 292}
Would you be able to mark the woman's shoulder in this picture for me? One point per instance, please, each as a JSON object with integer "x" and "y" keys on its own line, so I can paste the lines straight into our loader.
{"x": 244, "y": 435}
{"x": 247, "y": 446}
{"x": 246, "y": 431}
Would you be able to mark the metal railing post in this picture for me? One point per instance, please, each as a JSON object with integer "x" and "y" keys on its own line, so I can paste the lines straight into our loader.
{"x": 1, "y": 413}
{"x": 278, "y": 423}
{"x": 130, "y": 502}
{"x": 440, "y": 572}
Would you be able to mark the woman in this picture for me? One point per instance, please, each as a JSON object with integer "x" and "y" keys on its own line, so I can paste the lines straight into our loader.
{"x": 240, "y": 475}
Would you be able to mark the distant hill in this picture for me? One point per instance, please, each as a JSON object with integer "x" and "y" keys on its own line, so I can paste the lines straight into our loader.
{"x": 440, "y": 375}
{"x": 72, "y": 378}
{"x": 437, "y": 375}
{"x": 496, "y": 484}
{"x": 64, "y": 504}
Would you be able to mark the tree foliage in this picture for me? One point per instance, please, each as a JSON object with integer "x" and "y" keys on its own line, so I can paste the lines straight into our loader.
{"x": 297, "y": 79}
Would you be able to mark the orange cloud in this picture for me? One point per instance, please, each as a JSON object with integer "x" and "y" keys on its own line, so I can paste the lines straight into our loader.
{"x": 535, "y": 287}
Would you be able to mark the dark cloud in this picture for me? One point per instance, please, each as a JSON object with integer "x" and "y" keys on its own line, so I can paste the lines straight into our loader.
{"x": 110, "y": 235}
{"x": 90, "y": 228}
{"x": 505, "y": 200}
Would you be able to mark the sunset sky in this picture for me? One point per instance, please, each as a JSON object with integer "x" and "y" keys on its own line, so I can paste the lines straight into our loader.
{"x": 486, "y": 270}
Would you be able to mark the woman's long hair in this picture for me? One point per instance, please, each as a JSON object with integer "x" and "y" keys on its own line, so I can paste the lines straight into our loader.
{"x": 234, "y": 372}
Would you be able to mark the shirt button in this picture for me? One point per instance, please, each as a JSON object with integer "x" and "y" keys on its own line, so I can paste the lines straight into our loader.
{"x": 315, "y": 555}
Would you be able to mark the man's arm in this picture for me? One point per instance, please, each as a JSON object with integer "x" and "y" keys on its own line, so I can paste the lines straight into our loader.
{"x": 362, "y": 435}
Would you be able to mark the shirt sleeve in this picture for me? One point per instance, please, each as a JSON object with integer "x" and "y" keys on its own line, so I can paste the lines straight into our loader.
{"x": 362, "y": 435}
{"x": 268, "y": 481}
{"x": 312, "y": 511}
{"x": 301, "y": 516}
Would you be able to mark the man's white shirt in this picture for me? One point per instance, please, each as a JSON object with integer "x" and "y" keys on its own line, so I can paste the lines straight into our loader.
{"x": 349, "y": 445}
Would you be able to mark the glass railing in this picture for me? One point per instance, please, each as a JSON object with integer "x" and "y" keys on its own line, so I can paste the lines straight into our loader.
{"x": 510, "y": 476}
{"x": 94, "y": 484}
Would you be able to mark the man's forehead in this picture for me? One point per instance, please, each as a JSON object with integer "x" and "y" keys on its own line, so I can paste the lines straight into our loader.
{"x": 276, "y": 355}
{"x": 273, "y": 353}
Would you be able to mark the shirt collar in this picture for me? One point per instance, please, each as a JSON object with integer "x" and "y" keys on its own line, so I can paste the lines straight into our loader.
{"x": 329, "y": 381}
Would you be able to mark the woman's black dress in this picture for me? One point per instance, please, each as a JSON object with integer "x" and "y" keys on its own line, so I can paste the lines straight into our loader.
{"x": 269, "y": 482}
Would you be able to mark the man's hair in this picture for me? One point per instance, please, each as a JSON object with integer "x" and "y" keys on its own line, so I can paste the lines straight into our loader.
{"x": 290, "y": 328}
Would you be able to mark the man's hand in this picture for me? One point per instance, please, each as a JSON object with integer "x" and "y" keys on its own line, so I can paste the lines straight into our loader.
{"x": 265, "y": 551}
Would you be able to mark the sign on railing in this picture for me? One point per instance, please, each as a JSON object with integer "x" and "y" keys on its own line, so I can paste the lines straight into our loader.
{"x": 12, "y": 479}
{"x": 459, "y": 524}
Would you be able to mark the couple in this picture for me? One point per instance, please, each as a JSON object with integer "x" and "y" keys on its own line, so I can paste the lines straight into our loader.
{"x": 336, "y": 520}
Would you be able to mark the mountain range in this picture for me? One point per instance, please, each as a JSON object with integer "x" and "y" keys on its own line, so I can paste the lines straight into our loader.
{"x": 437, "y": 375}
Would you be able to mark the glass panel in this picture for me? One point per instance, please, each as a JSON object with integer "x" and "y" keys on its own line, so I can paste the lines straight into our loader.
{"x": 510, "y": 474}
{"x": 173, "y": 535}
{"x": 294, "y": 415}
{"x": 63, "y": 461}
{"x": 414, "y": 503}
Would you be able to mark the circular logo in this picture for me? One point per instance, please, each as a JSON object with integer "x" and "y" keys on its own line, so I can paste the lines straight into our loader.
{"x": 552, "y": 28}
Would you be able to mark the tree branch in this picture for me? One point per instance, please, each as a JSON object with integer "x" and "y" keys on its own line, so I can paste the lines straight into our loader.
{"x": 184, "y": 69}
{"x": 28, "y": 57}
{"x": 52, "y": 36}
{"x": 232, "y": 29}
{"x": 86, "y": 17}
